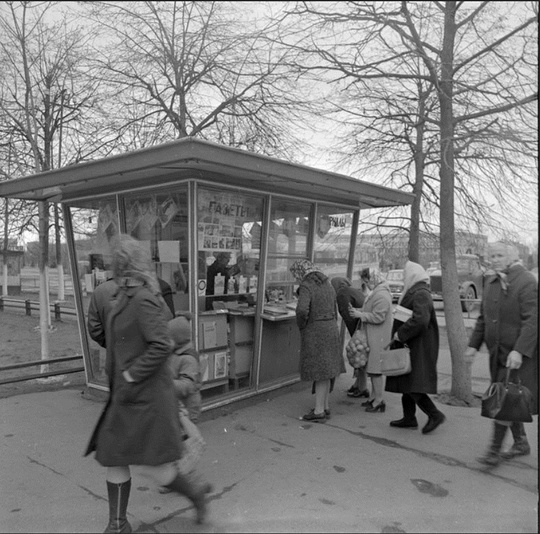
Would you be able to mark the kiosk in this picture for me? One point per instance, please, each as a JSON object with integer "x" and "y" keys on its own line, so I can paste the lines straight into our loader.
{"x": 223, "y": 226}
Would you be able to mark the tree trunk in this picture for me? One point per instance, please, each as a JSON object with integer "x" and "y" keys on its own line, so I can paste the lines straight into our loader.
{"x": 455, "y": 326}
{"x": 59, "y": 266}
{"x": 419, "y": 157}
{"x": 44, "y": 310}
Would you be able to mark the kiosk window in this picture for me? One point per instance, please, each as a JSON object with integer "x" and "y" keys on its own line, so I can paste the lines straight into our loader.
{"x": 229, "y": 243}
{"x": 287, "y": 242}
{"x": 161, "y": 220}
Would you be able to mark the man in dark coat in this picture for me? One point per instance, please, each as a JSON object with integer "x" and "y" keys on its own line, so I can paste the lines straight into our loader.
{"x": 347, "y": 295}
{"x": 508, "y": 325}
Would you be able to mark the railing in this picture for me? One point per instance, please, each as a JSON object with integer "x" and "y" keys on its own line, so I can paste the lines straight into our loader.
{"x": 28, "y": 306}
{"x": 35, "y": 363}
{"x": 31, "y": 305}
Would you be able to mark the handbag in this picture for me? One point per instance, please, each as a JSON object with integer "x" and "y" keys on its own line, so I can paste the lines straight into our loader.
{"x": 507, "y": 401}
{"x": 357, "y": 349}
{"x": 395, "y": 362}
{"x": 193, "y": 443}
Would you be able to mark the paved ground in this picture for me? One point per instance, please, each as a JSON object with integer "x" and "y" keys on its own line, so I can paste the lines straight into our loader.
{"x": 273, "y": 472}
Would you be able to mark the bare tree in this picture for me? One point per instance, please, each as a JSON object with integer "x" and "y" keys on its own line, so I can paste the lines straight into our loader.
{"x": 40, "y": 61}
{"x": 196, "y": 69}
{"x": 478, "y": 59}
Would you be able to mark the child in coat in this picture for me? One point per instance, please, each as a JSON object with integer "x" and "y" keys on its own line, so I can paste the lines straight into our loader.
{"x": 184, "y": 364}
{"x": 185, "y": 367}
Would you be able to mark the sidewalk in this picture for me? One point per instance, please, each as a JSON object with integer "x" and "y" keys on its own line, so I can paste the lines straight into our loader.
{"x": 273, "y": 472}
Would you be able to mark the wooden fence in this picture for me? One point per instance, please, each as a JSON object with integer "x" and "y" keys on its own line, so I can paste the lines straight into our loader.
{"x": 30, "y": 306}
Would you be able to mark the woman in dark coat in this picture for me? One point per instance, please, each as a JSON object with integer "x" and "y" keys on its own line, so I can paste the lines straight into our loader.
{"x": 347, "y": 295}
{"x": 508, "y": 325}
{"x": 321, "y": 358}
{"x": 421, "y": 333}
{"x": 139, "y": 424}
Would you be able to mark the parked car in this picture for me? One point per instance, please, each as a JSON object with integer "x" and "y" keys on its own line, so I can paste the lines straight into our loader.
{"x": 395, "y": 280}
{"x": 470, "y": 277}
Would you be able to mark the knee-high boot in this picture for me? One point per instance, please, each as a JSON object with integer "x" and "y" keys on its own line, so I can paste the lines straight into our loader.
{"x": 521, "y": 446}
{"x": 493, "y": 454}
{"x": 118, "y": 502}
{"x": 188, "y": 486}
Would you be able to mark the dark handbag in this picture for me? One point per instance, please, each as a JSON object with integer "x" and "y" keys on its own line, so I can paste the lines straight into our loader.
{"x": 507, "y": 401}
{"x": 395, "y": 362}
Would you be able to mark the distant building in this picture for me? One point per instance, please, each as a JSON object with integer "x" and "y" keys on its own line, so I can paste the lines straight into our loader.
{"x": 394, "y": 247}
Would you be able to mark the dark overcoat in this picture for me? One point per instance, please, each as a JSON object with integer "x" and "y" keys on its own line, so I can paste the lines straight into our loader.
{"x": 508, "y": 321}
{"x": 139, "y": 424}
{"x": 421, "y": 333}
{"x": 321, "y": 356}
{"x": 353, "y": 296}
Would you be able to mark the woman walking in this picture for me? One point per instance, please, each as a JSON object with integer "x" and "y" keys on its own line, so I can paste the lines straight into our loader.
{"x": 139, "y": 424}
{"x": 321, "y": 358}
{"x": 421, "y": 333}
{"x": 376, "y": 315}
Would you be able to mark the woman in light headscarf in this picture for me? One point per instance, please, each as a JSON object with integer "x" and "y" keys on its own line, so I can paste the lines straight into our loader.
{"x": 376, "y": 315}
{"x": 321, "y": 358}
{"x": 421, "y": 333}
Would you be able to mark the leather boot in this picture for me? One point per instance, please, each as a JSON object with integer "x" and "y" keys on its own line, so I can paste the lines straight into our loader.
{"x": 492, "y": 456}
{"x": 521, "y": 446}
{"x": 118, "y": 502}
{"x": 196, "y": 492}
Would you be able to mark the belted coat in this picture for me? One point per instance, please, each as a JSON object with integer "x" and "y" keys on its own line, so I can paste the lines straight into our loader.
{"x": 139, "y": 424}
{"x": 321, "y": 356}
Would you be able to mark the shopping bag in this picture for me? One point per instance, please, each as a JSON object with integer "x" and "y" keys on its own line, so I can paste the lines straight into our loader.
{"x": 507, "y": 401}
{"x": 193, "y": 443}
{"x": 357, "y": 349}
{"x": 395, "y": 362}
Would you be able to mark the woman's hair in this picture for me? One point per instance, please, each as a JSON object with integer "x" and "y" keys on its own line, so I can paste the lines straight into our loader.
{"x": 132, "y": 260}
{"x": 370, "y": 274}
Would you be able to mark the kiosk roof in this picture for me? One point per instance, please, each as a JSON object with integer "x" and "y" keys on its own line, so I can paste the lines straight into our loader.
{"x": 191, "y": 158}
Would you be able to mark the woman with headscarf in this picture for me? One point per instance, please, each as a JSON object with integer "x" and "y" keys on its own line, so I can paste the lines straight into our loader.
{"x": 321, "y": 358}
{"x": 376, "y": 315}
{"x": 139, "y": 424}
{"x": 421, "y": 334}
{"x": 347, "y": 294}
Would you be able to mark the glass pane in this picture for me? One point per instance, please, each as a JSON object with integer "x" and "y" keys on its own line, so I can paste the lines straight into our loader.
{"x": 287, "y": 242}
{"x": 161, "y": 219}
{"x": 332, "y": 241}
{"x": 229, "y": 242}
{"x": 95, "y": 223}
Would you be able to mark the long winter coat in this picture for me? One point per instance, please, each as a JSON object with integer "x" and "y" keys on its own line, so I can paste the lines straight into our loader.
{"x": 377, "y": 318}
{"x": 421, "y": 333}
{"x": 139, "y": 424}
{"x": 321, "y": 356}
{"x": 509, "y": 321}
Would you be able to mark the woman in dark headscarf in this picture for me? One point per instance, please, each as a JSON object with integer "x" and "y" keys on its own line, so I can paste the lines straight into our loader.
{"x": 321, "y": 358}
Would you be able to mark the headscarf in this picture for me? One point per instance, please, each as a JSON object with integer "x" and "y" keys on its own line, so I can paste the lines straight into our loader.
{"x": 412, "y": 274}
{"x": 301, "y": 268}
{"x": 339, "y": 282}
{"x": 373, "y": 275}
{"x": 132, "y": 263}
